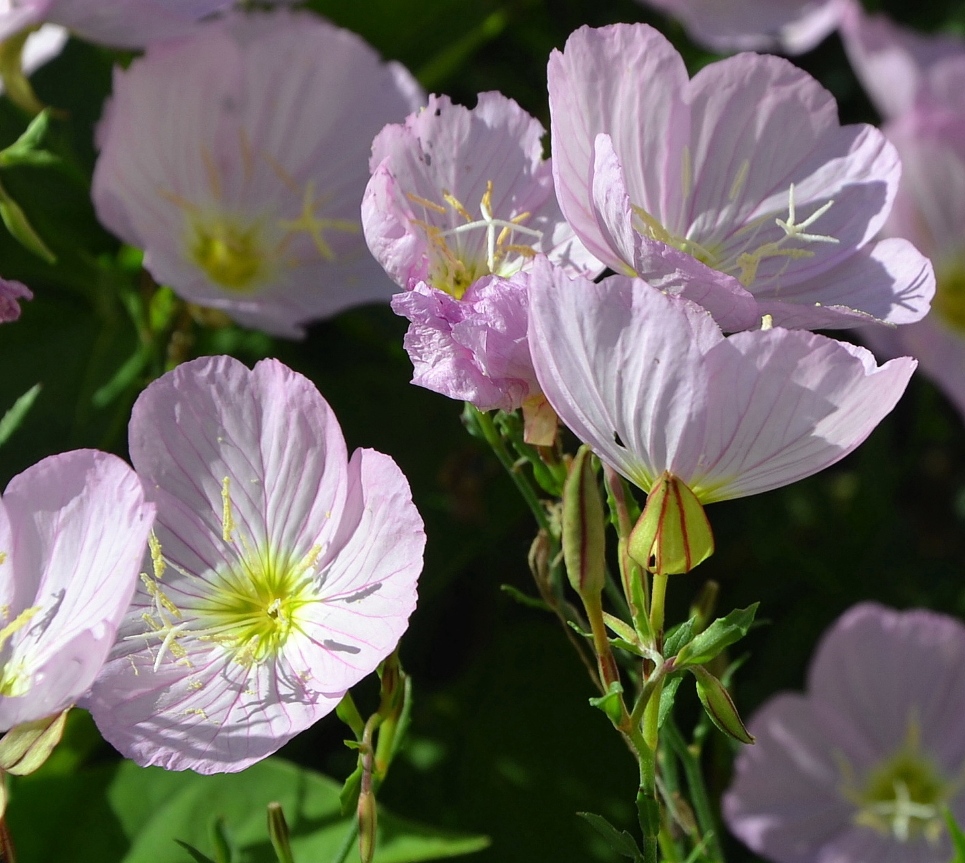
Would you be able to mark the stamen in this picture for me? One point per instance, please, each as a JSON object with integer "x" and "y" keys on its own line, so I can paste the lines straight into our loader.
{"x": 312, "y": 225}
{"x": 18, "y": 623}
{"x": 739, "y": 179}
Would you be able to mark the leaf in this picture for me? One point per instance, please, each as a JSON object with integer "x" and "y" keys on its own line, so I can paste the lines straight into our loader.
{"x": 13, "y": 417}
{"x": 677, "y": 637}
{"x": 619, "y": 840}
{"x": 720, "y": 634}
{"x": 524, "y": 598}
{"x": 667, "y": 695}
{"x": 131, "y": 814}
{"x": 196, "y": 855}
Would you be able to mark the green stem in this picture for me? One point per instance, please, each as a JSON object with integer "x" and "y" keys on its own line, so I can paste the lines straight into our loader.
{"x": 495, "y": 441}
{"x": 690, "y": 759}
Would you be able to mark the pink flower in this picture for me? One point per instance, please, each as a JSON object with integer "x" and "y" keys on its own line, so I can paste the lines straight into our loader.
{"x": 791, "y": 26}
{"x": 474, "y": 349}
{"x": 121, "y": 23}
{"x": 73, "y": 529}
{"x": 737, "y": 189}
{"x": 899, "y": 67}
{"x": 930, "y": 210}
{"x": 11, "y": 293}
{"x": 860, "y": 767}
{"x": 281, "y": 572}
{"x": 457, "y": 195}
{"x": 650, "y": 383}
{"x": 237, "y": 160}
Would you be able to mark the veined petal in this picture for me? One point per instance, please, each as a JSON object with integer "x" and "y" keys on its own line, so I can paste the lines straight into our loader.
{"x": 225, "y": 651}
{"x": 78, "y": 524}
{"x": 785, "y": 404}
{"x": 619, "y": 362}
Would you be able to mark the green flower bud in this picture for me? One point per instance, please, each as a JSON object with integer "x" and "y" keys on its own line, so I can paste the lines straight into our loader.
{"x": 584, "y": 541}
{"x": 279, "y": 833}
{"x": 673, "y": 534}
{"x": 719, "y": 706}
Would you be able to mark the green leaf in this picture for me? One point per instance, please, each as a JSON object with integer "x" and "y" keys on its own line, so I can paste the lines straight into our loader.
{"x": 720, "y": 634}
{"x": 667, "y": 695}
{"x": 130, "y": 814}
{"x": 619, "y": 840}
{"x": 611, "y": 703}
{"x": 677, "y": 637}
{"x": 196, "y": 855}
{"x": 13, "y": 417}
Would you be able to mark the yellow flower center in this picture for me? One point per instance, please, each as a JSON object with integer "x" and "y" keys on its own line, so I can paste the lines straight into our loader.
{"x": 231, "y": 256}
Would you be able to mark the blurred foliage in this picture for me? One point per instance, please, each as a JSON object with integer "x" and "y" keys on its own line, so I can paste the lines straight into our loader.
{"x": 503, "y": 740}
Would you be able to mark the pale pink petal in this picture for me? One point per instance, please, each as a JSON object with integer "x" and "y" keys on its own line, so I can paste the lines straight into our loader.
{"x": 785, "y": 404}
{"x": 617, "y": 362}
{"x": 259, "y": 124}
{"x": 787, "y": 821}
{"x": 792, "y": 26}
{"x": 894, "y": 64}
{"x": 78, "y": 525}
{"x": 887, "y": 281}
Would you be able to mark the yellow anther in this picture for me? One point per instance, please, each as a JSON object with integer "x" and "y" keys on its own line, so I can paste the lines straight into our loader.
{"x": 454, "y": 202}
{"x": 18, "y": 623}
{"x": 3, "y": 557}
{"x": 157, "y": 559}
{"x": 227, "y": 521}
{"x": 309, "y": 223}
{"x": 767, "y": 323}
{"x": 425, "y": 202}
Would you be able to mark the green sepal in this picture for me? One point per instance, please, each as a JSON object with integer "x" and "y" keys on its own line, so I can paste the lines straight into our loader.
{"x": 722, "y": 633}
{"x": 13, "y": 417}
{"x": 719, "y": 706}
{"x": 611, "y": 703}
{"x": 25, "y": 747}
{"x": 672, "y": 535}
{"x": 25, "y": 150}
{"x": 619, "y": 840}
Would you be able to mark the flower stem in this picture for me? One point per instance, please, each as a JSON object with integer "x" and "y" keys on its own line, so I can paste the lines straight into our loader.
{"x": 347, "y": 845}
{"x": 690, "y": 759}
{"x": 484, "y": 422}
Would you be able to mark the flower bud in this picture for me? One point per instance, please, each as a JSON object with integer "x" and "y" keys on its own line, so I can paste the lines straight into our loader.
{"x": 368, "y": 824}
{"x": 673, "y": 534}
{"x": 719, "y": 706}
{"x": 279, "y": 834}
{"x": 584, "y": 542}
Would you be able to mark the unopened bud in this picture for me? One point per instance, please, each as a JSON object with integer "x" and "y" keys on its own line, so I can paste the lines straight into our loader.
{"x": 368, "y": 825}
{"x": 719, "y": 706}
{"x": 24, "y": 748}
{"x": 279, "y": 833}
{"x": 673, "y": 534}
{"x": 584, "y": 541}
